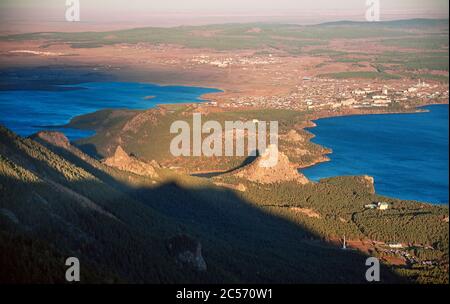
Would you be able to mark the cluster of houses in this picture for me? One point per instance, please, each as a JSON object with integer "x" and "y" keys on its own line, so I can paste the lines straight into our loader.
{"x": 398, "y": 250}
{"x": 225, "y": 62}
{"x": 337, "y": 94}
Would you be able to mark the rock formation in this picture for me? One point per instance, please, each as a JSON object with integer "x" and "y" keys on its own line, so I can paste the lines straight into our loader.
{"x": 57, "y": 139}
{"x": 369, "y": 182}
{"x": 121, "y": 160}
{"x": 187, "y": 252}
{"x": 271, "y": 167}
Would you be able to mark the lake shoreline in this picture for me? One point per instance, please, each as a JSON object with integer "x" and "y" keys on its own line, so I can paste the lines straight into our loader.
{"x": 55, "y": 105}
{"x": 324, "y": 156}
{"x": 312, "y": 123}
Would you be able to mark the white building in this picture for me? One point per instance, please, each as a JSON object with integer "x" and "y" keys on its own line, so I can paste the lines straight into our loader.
{"x": 383, "y": 206}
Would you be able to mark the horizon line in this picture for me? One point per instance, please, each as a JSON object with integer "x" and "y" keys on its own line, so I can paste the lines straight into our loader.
{"x": 232, "y": 23}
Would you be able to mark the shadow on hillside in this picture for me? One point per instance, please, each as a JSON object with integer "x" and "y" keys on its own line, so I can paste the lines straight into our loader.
{"x": 247, "y": 161}
{"x": 241, "y": 242}
{"x": 89, "y": 149}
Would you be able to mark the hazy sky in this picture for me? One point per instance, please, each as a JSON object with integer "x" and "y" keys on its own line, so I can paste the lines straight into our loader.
{"x": 119, "y": 13}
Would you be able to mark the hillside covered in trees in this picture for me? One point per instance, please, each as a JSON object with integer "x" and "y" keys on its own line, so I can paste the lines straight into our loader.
{"x": 57, "y": 202}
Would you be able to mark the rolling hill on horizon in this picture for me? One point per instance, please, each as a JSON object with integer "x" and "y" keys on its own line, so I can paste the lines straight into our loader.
{"x": 232, "y": 36}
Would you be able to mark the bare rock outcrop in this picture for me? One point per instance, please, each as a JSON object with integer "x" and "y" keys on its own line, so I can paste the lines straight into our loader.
{"x": 187, "y": 252}
{"x": 121, "y": 160}
{"x": 271, "y": 167}
{"x": 57, "y": 139}
{"x": 368, "y": 182}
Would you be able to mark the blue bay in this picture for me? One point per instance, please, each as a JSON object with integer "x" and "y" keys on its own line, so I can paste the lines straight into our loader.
{"x": 407, "y": 154}
{"x": 28, "y": 111}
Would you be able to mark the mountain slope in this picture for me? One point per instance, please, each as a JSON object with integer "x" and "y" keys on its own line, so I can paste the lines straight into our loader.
{"x": 57, "y": 202}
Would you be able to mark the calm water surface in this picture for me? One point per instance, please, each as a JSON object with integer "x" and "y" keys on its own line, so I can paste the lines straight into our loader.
{"x": 407, "y": 154}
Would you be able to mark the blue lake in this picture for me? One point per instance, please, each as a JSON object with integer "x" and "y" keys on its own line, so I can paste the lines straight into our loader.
{"x": 30, "y": 110}
{"x": 407, "y": 154}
